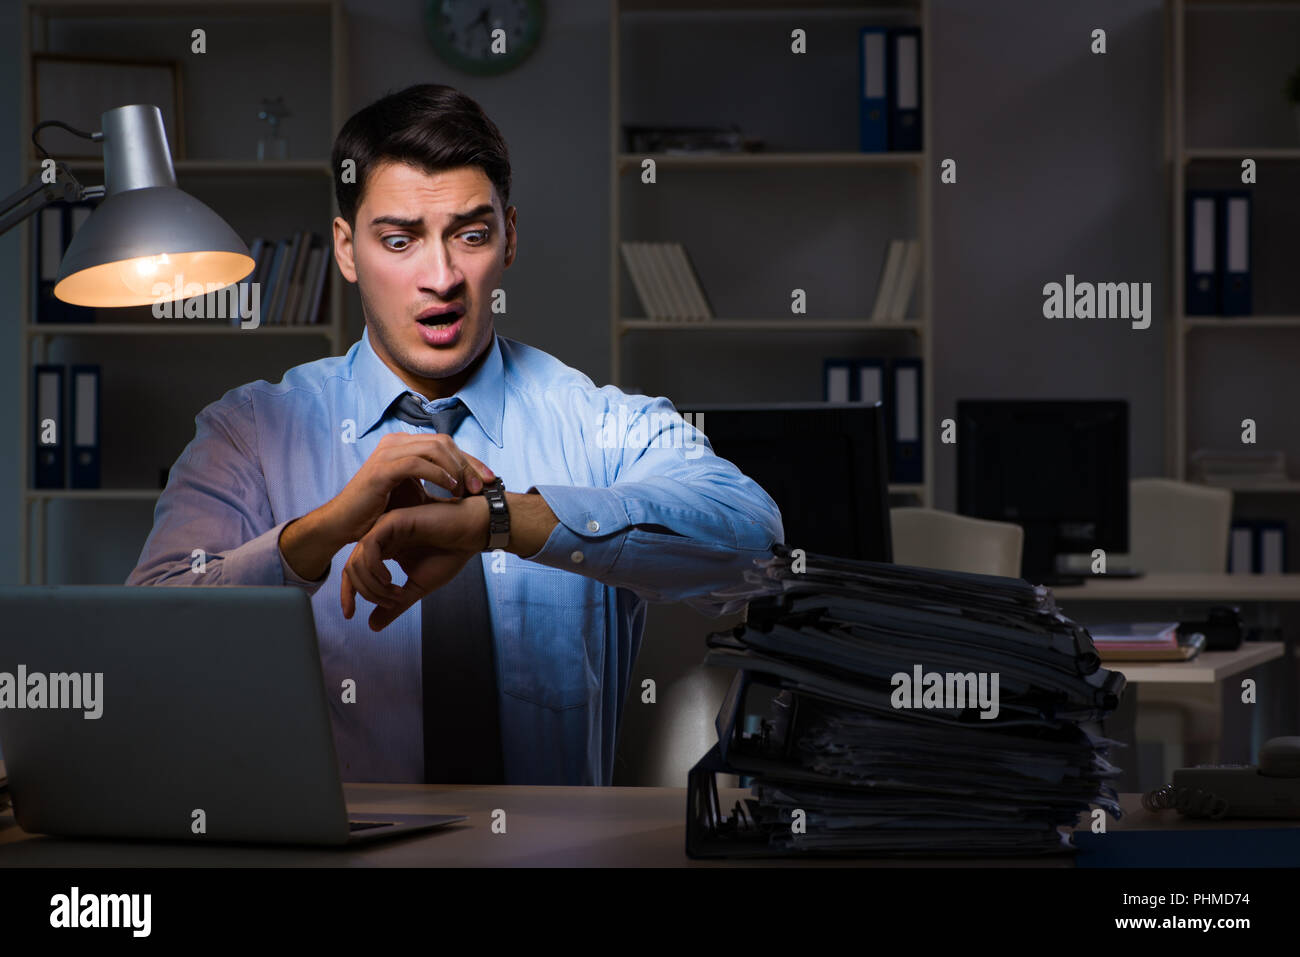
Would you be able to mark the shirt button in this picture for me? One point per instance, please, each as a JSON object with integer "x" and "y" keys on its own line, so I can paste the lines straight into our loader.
{"x": 593, "y": 526}
{"x": 576, "y": 557}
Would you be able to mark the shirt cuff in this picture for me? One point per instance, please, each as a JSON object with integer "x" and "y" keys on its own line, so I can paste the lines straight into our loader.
{"x": 587, "y": 538}
{"x": 265, "y": 551}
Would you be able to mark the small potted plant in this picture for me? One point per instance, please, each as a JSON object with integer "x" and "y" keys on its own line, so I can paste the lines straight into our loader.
{"x": 1292, "y": 92}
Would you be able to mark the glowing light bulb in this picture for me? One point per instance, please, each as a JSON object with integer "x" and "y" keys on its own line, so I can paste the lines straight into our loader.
{"x": 142, "y": 275}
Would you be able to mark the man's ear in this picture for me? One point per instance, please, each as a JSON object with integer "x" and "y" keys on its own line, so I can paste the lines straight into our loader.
{"x": 512, "y": 236}
{"x": 343, "y": 250}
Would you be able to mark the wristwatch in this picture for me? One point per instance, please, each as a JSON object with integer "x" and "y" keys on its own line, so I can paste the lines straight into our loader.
{"x": 498, "y": 514}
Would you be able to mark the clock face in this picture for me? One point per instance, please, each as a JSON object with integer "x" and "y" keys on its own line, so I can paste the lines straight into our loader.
{"x": 465, "y": 33}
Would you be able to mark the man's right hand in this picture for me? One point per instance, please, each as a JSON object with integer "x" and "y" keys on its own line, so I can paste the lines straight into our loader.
{"x": 389, "y": 479}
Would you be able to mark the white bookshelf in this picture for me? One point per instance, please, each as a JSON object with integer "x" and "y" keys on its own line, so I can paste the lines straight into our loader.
{"x": 910, "y": 337}
{"x": 1204, "y": 332}
{"x": 43, "y": 23}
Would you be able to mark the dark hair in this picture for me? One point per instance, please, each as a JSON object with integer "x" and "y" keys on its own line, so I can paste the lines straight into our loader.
{"x": 430, "y": 126}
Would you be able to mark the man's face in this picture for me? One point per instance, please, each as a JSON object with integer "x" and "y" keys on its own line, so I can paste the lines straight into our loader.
{"x": 424, "y": 242}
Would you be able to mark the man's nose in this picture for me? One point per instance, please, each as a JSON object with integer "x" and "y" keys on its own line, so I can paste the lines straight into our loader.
{"x": 439, "y": 271}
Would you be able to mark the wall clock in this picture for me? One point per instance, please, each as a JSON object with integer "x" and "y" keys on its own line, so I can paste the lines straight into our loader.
{"x": 461, "y": 32}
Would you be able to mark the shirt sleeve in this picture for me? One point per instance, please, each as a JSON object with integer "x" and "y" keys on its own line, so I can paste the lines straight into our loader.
{"x": 676, "y": 523}
{"x": 213, "y": 523}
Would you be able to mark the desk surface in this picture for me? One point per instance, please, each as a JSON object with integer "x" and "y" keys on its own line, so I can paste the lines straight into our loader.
{"x": 1183, "y": 586}
{"x": 1206, "y": 668}
{"x": 545, "y": 826}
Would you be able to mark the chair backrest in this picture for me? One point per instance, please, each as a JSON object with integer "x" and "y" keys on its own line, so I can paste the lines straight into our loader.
{"x": 659, "y": 743}
{"x": 1178, "y": 526}
{"x": 930, "y": 538}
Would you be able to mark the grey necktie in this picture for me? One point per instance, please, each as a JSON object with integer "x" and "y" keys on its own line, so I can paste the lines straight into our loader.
{"x": 462, "y": 728}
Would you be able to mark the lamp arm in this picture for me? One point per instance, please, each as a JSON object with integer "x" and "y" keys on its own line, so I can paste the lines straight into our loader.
{"x": 36, "y": 195}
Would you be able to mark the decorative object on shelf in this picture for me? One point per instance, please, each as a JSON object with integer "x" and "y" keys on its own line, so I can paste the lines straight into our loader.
{"x": 1239, "y": 468}
{"x": 79, "y": 89}
{"x": 1292, "y": 93}
{"x": 464, "y": 34}
{"x": 272, "y": 144}
{"x": 690, "y": 140}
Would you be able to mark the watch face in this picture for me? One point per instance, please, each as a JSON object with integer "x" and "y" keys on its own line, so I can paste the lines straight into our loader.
{"x": 484, "y": 37}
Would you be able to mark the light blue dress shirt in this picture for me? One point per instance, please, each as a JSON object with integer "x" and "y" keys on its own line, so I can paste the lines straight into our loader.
{"x": 646, "y": 512}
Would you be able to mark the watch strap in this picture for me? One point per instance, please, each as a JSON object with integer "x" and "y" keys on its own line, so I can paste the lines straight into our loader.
{"x": 498, "y": 514}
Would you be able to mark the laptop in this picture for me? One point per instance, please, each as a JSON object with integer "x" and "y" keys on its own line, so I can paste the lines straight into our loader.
{"x": 187, "y": 713}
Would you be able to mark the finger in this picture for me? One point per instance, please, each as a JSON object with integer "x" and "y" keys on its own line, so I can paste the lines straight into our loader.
{"x": 347, "y": 595}
{"x": 372, "y": 577}
{"x": 360, "y": 584}
{"x": 485, "y": 474}
{"x": 449, "y": 455}
{"x": 416, "y": 467}
{"x": 406, "y": 493}
{"x": 381, "y": 618}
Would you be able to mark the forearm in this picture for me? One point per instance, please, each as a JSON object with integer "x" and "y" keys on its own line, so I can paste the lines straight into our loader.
{"x": 309, "y": 544}
{"x": 531, "y": 522}
{"x": 660, "y": 539}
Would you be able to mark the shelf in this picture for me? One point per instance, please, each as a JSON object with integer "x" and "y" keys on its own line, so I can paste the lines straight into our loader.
{"x": 838, "y": 7}
{"x": 771, "y": 325}
{"x": 1285, "y": 487}
{"x": 93, "y": 494}
{"x": 171, "y": 9}
{"x": 1259, "y": 153}
{"x": 791, "y": 164}
{"x": 167, "y": 328}
{"x": 1192, "y": 94}
{"x": 628, "y": 161}
{"x": 276, "y": 30}
{"x": 1243, "y": 322}
{"x": 213, "y": 167}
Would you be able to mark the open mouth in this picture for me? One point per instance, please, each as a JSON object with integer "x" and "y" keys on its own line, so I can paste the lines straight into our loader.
{"x": 442, "y": 330}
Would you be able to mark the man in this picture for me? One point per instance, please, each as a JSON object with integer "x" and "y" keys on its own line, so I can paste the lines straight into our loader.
{"x": 615, "y": 499}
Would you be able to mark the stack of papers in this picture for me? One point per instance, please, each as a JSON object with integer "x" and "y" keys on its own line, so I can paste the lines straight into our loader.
{"x": 919, "y": 712}
{"x": 1145, "y": 641}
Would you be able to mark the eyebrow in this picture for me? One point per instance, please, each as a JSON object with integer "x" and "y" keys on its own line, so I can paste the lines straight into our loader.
{"x": 485, "y": 209}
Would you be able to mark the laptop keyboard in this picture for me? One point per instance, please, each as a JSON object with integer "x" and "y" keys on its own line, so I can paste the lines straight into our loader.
{"x": 366, "y": 825}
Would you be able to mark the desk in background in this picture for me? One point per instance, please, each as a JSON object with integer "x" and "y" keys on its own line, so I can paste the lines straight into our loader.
{"x": 1178, "y": 596}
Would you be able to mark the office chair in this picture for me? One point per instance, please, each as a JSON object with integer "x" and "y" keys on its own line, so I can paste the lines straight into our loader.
{"x": 930, "y": 538}
{"x": 659, "y": 743}
{"x": 1178, "y": 526}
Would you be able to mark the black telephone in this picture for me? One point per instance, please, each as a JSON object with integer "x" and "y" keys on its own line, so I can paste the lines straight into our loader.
{"x": 1237, "y": 790}
{"x": 1222, "y": 628}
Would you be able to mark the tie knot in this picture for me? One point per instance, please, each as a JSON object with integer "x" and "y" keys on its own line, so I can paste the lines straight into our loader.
{"x": 444, "y": 421}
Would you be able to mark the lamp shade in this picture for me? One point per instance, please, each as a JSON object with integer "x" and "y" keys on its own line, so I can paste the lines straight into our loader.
{"x": 147, "y": 242}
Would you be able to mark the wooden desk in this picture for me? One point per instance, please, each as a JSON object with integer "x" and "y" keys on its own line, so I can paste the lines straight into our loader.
{"x": 1237, "y": 725}
{"x": 1179, "y": 586}
{"x": 546, "y": 827}
{"x": 1180, "y": 596}
{"x": 1209, "y": 667}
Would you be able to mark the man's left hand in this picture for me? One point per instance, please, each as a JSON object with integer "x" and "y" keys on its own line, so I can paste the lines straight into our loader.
{"x": 431, "y": 543}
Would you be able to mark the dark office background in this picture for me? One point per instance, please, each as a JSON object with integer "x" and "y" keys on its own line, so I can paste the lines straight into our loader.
{"x": 1062, "y": 168}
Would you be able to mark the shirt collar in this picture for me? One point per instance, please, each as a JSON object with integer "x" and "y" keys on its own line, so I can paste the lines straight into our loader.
{"x": 378, "y": 386}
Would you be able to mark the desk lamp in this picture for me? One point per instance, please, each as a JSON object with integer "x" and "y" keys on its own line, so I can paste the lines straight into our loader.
{"x": 144, "y": 232}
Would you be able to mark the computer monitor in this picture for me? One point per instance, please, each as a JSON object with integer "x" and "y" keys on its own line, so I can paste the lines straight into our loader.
{"x": 1057, "y": 468}
{"x": 823, "y": 463}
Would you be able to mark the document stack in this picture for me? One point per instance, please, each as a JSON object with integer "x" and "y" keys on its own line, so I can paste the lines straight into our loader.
{"x": 882, "y": 709}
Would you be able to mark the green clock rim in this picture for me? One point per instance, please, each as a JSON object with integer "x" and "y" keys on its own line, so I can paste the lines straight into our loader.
{"x": 495, "y": 66}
